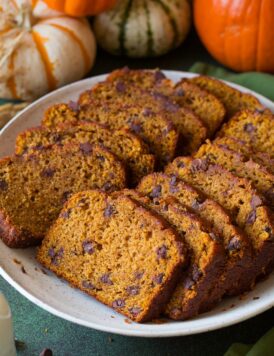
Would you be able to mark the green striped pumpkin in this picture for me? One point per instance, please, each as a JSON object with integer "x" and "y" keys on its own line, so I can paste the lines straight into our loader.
{"x": 143, "y": 28}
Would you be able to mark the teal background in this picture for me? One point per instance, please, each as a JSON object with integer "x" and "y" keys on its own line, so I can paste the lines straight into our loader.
{"x": 39, "y": 329}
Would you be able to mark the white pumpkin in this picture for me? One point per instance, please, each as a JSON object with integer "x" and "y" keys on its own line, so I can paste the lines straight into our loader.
{"x": 38, "y": 52}
{"x": 143, "y": 28}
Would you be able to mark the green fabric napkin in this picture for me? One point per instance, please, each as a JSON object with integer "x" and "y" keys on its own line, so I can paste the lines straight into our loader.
{"x": 262, "y": 83}
{"x": 263, "y": 347}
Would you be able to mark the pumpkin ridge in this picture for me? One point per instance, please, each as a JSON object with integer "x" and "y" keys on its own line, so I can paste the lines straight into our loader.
{"x": 52, "y": 82}
{"x": 122, "y": 26}
{"x": 11, "y": 81}
{"x": 150, "y": 42}
{"x": 75, "y": 39}
{"x": 172, "y": 22}
{"x": 258, "y": 36}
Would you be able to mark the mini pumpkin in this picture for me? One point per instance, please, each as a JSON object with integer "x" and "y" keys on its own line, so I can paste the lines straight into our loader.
{"x": 143, "y": 28}
{"x": 81, "y": 7}
{"x": 39, "y": 55}
{"x": 239, "y": 34}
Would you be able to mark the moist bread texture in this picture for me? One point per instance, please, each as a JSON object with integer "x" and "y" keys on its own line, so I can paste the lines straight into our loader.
{"x": 116, "y": 251}
{"x": 33, "y": 187}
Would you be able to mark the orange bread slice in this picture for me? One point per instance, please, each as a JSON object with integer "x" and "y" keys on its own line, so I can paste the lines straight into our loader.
{"x": 207, "y": 259}
{"x": 209, "y": 109}
{"x": 241, "y": 166}
{"x": 253, "y": 127}
{"x": 124, "y": 144}
{"x": 234, "y": 279}
{"x": 233, "y": 99}
{"x": 61, "y": 114}
{"x": 154, "y": 128}
{"x": 239, "y": 198}
{"x": 33, "y": 187}
{"x": 192, "y": 132}
{"x": 262, "y": 158}
{"x": 116, "y": 251}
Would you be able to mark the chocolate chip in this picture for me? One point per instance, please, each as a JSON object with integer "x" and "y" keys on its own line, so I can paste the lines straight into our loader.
{"x": 86, "y": 148}
{"x": 88, "y": 285}
{"x": 188, "y": 283}
{"x": 101, "y": 158}
{"x": 48, "y": 172}
{"x": 56, "y": 137}
{"x": 251, "y": 217}
{"x": 109, "y": 211}
{"x": 135, "y": 311}
{"x": 118, "y": 303}
{"x": 162, "y": 252}
{"x": 46, "y": 352}
{"x": 136, "y": 127}
{"x": 56, "y": 256}
{"x": 180, "y": 164}
{"x": 159, "y": 96}
{"x": 268, "y": 230}
{"x": 133, "y": 290}
{"x": 138, "y": 274}
{"x": 196, "y": 273}
{"x": 38, "y": 147}
{"x": 65, "y": 214}
{"x": 249, "y": 128}
{"x": 172, "y": 185}
{"x": 158, "y": 279}
{"x": 255, "y": 201}
{"x": 170, "y": 106}
{"x": 108, "y": 186}
{"x": 3, "y": 185}
{"x": 120, "y": 87}
{"x": 88, "y": 246}
{"x": 156, "y": 191}
{"x": 51, "y": 252}
{"x": 198, "y": 165}
{"x": 147, "y": 112}
{"x": 106, "y": 279}
{"x": 234, "y": 244}
{"x": 195, "y": 204}
{"x": 73, "y": 105}
{"x": 159, "y": 76}
{"x": 180, "y": 92}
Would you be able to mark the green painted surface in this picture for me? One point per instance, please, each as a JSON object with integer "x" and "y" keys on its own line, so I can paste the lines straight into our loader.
{"x": 39, "y": 329}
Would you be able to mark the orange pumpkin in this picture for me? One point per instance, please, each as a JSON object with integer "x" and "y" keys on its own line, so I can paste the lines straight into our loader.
{"x": 81, "y": 7}
{"x": 238, "y": 33}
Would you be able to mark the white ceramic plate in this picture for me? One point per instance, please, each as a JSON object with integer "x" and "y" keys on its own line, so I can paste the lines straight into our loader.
{"x": 60, "y": 299}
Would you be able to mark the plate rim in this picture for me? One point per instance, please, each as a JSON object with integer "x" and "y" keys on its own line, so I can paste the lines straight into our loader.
{"x": 230, "y": 319}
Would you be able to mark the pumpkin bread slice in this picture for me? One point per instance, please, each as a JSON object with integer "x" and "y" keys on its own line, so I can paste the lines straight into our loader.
{"x": 124, "y": 144}
{"x": 239, "y": 198}
{"x": 233, "y": 99}
{"x": 209, "y": 109}
{"x": 33, "y": 187}
{"x": 238, "y": 250}
{"x": 207, "y": 260}
{"x": 243, "y": 147}
{"x": 253, "y": 127}
{"x": 153, "y": 128}
{"x": 116, "y": 251}
{"x": 241, "y": 166}
{"x": 192, "y": 132}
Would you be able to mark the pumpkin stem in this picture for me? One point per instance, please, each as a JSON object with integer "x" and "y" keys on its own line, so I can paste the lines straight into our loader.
{"x": 19, "y": 23}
